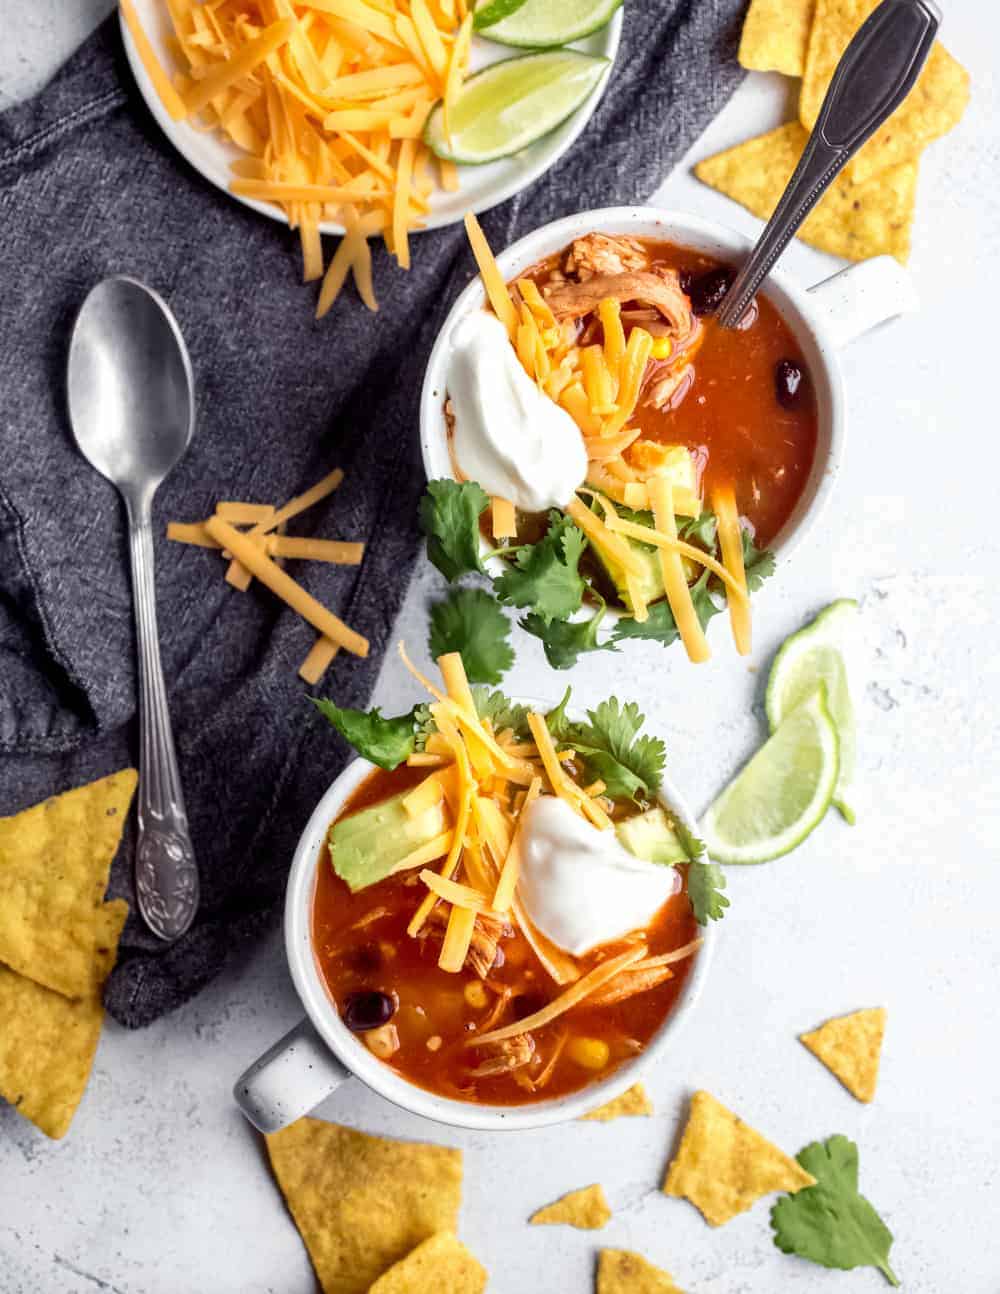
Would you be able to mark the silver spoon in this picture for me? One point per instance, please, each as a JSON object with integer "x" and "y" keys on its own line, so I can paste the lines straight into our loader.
{"x": 131, "y": 405}
{"x": 876, "y": 73}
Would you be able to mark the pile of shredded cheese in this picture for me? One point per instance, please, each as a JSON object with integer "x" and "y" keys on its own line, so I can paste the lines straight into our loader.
{"x": 251, "y": 536}
{"x": 327, "y": 101}
{"x": 599, "y": 386}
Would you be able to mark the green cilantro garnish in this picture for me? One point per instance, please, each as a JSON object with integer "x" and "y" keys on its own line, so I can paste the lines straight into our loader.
{"x": 610, "y": 746}
{"x": 449, "y": 517}
{"x": 830, "y": 1223}
{"x": 660, "y": 625}
{"x": 565, "y": 640}
{"x": 701, "y": 530}
{"x": 502, "y": 712}
{"x": 470, "y": 622}
{"x": 705, "y": 885}
{"x": 544, "y": 578}
{"x": 757, "y": 562}
{"x": 557, "y": 721}
{"x": 386, "y": 742}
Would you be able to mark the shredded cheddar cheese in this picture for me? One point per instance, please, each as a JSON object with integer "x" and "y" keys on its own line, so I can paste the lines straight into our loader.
{"x": 731, "y": 543}
{"x": 672, "y": 570}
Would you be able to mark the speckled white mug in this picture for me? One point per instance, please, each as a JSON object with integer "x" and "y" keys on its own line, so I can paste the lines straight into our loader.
{"x": 320, "y": 1053}
{"x": 824, "y": 318}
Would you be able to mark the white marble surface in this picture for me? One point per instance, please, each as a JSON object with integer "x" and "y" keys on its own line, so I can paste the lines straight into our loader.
{"x": 161, "y": 1188}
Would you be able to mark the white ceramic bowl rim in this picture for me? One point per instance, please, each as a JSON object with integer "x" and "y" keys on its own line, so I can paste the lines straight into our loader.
{"x": 380, "y": 1077}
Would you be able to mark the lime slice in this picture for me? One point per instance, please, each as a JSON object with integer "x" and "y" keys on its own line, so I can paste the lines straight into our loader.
{"x": 542, "y": 24}
{"x": 818, "y": 654}
{"x": 509, "y": 105}
{"x": 779, "y": 797}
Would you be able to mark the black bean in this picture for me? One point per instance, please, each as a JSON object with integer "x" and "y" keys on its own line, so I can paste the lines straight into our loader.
{"x": 706, "y": 291}
{"x": 367, "y": 1009}
{"x": 789, "y": 379}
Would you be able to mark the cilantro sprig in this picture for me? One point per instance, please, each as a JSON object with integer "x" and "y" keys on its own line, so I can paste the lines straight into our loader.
{"x": 471, "y": 623}
{"x": 545, "y": 577}
{"x": 387, "y": 742}
{"x": 565, "y": 641}
{"x": 611, "y": 748}
{"x": 449, "y": 517}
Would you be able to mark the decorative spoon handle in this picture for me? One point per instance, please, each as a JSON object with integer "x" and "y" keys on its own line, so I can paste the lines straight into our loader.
{"x": 166, "y": 874}
{"x": 877, "y": 72}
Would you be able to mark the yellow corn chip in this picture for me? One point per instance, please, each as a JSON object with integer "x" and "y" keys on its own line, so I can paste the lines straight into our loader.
{"x": 850, "y": 1047}
{"x": 852, "y": 220}
{"x": 776, "y": 36}
{"x": 934, "y": 105}
{"x": 47, "y": 1041}
{"x": 362, "y": 1203}
{"x": 54, "y": 865}
{"x": 586, "y": 1209}
{"x": 722, "y": 1165}
{"x": 441, "y": 1265}
{"x": 632, "y": 1103}
{"x": 622, "y": 1272}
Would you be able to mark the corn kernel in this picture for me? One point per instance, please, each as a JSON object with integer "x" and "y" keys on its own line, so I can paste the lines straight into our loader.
{"x": 384, "y": 1041}
{"x": 662, "y": 348}
{"x": 476, "y": 995}
{"x": 589, "y": 1053}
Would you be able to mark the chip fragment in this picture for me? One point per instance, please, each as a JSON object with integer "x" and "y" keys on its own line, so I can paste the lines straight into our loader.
{"x": 362, "y": 1203}
{"x": 619, "y": 1271}
{"x": 933, "y": 107}
{"x": 776, "y": 36}
{"x": 586, "y": 1209}
{"x": 54, "y": 863}
{"x": 440, "y": 1265}
{"x": 48, "y": 1041}
{"x": 850, "y": 1046}
{"x": 723, "y": 1165}
{"x": 631, "y": 1104}
{"x": 853, "y": 220}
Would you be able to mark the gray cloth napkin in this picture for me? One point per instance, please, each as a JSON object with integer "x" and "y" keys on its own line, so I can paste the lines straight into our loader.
{"x": 89, "y": 187}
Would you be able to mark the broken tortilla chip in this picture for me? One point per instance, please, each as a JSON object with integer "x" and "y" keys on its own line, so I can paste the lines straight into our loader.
{"x": 54, "y": 865}
{"x": 776, "y": 36}
{"x": 933, "y": 107}
{"x": 586, "y": 1209}
{"x": 48, "y": 1041}
{"x": 723, "y": 1165}
{"x": 630, "y": 1104}
{"x": 621, "y": 1272}
{"x": 851, "y": 220}
{"x": 362, "y": 1203}
{"x": 441, "y": 1265}
{"x": 850, "y": 1046}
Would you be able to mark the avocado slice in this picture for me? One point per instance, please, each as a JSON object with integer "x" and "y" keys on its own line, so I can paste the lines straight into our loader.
{"x": 650, "y": 579}
{"x": 651, "y": 836}
{"x": 369, "y": 845}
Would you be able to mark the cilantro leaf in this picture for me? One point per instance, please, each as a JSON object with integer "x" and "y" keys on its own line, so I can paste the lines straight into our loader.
{"x": 557, "y": 722}
{"x": 423, "y": 725}
{"x": 830, "y": 1223}
{"x": 610, "y": 746}
{"x": 758, "y": 563}
{"x": 545, "y": 577}
{"x": 702, "y": 529}
{"x": 502, "y": 712}
{"x": 705, "y": 885}
{"x": 449, "y": 517}
{"x": 386, "y": 742}
{"x": 565, "y": 640}
{"x": 470, "y": 622}
{"x": 660, "y": 625}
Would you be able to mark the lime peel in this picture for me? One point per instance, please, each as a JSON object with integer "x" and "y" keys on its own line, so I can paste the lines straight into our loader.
{"x": 543, "y": 24}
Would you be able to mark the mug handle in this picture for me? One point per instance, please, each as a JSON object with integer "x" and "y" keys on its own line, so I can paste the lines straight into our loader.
{"x": 859, "y": 298}
{"x": 289, "y": 1080}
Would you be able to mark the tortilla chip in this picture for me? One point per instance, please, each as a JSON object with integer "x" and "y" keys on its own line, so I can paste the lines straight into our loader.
{"x": 54, "y": 865}
{"x": 47, "y": 1041}
{"x": 934, "y": 105}
{"x": 441, "y": 1265}
{"x": 622, "y": 1272}
{"x": 723, "y": 1165}
{"x": 629, "y": 1105}
{"x": 362, "y": 1203}
{"x": 851, "y": 220}
{"x": 776, "y": 36}
{"x": 586, "y": 1209}
{"x": 850, "y": 1046}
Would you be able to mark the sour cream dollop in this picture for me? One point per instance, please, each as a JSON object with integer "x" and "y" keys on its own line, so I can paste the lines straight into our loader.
{"x": 578, "y": 885}
{"x": 509, "y": 436}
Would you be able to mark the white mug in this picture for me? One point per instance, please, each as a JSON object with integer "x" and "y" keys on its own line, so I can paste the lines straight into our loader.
{"x": 321, "y": 1053}
{"x": 824, "y": 319}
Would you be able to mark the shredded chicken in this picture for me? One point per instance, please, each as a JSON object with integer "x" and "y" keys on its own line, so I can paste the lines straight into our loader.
{"x": 504, "y": 1056}
{"x": 485, "y": 942}
{"x": 629, "y": 983}
{"x": 660, "y": 288}
{"x": 599, "y": 254}
{"x": 668, "y": 391}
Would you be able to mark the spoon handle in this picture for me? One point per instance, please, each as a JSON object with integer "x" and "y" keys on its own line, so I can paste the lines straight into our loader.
{"x": 877, "y": 72}
{"x": 166, "y": 874}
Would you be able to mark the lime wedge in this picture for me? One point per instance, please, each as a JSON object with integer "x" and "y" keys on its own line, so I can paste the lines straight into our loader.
{"x": 779, "y": 797}
{"x": 542, "y": 24}
{"x": 509, "y": 105}
{"x": 818, "y": 654}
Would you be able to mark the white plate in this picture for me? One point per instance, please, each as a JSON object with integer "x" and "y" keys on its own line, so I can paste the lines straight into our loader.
{"x": 481, "y": 187}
